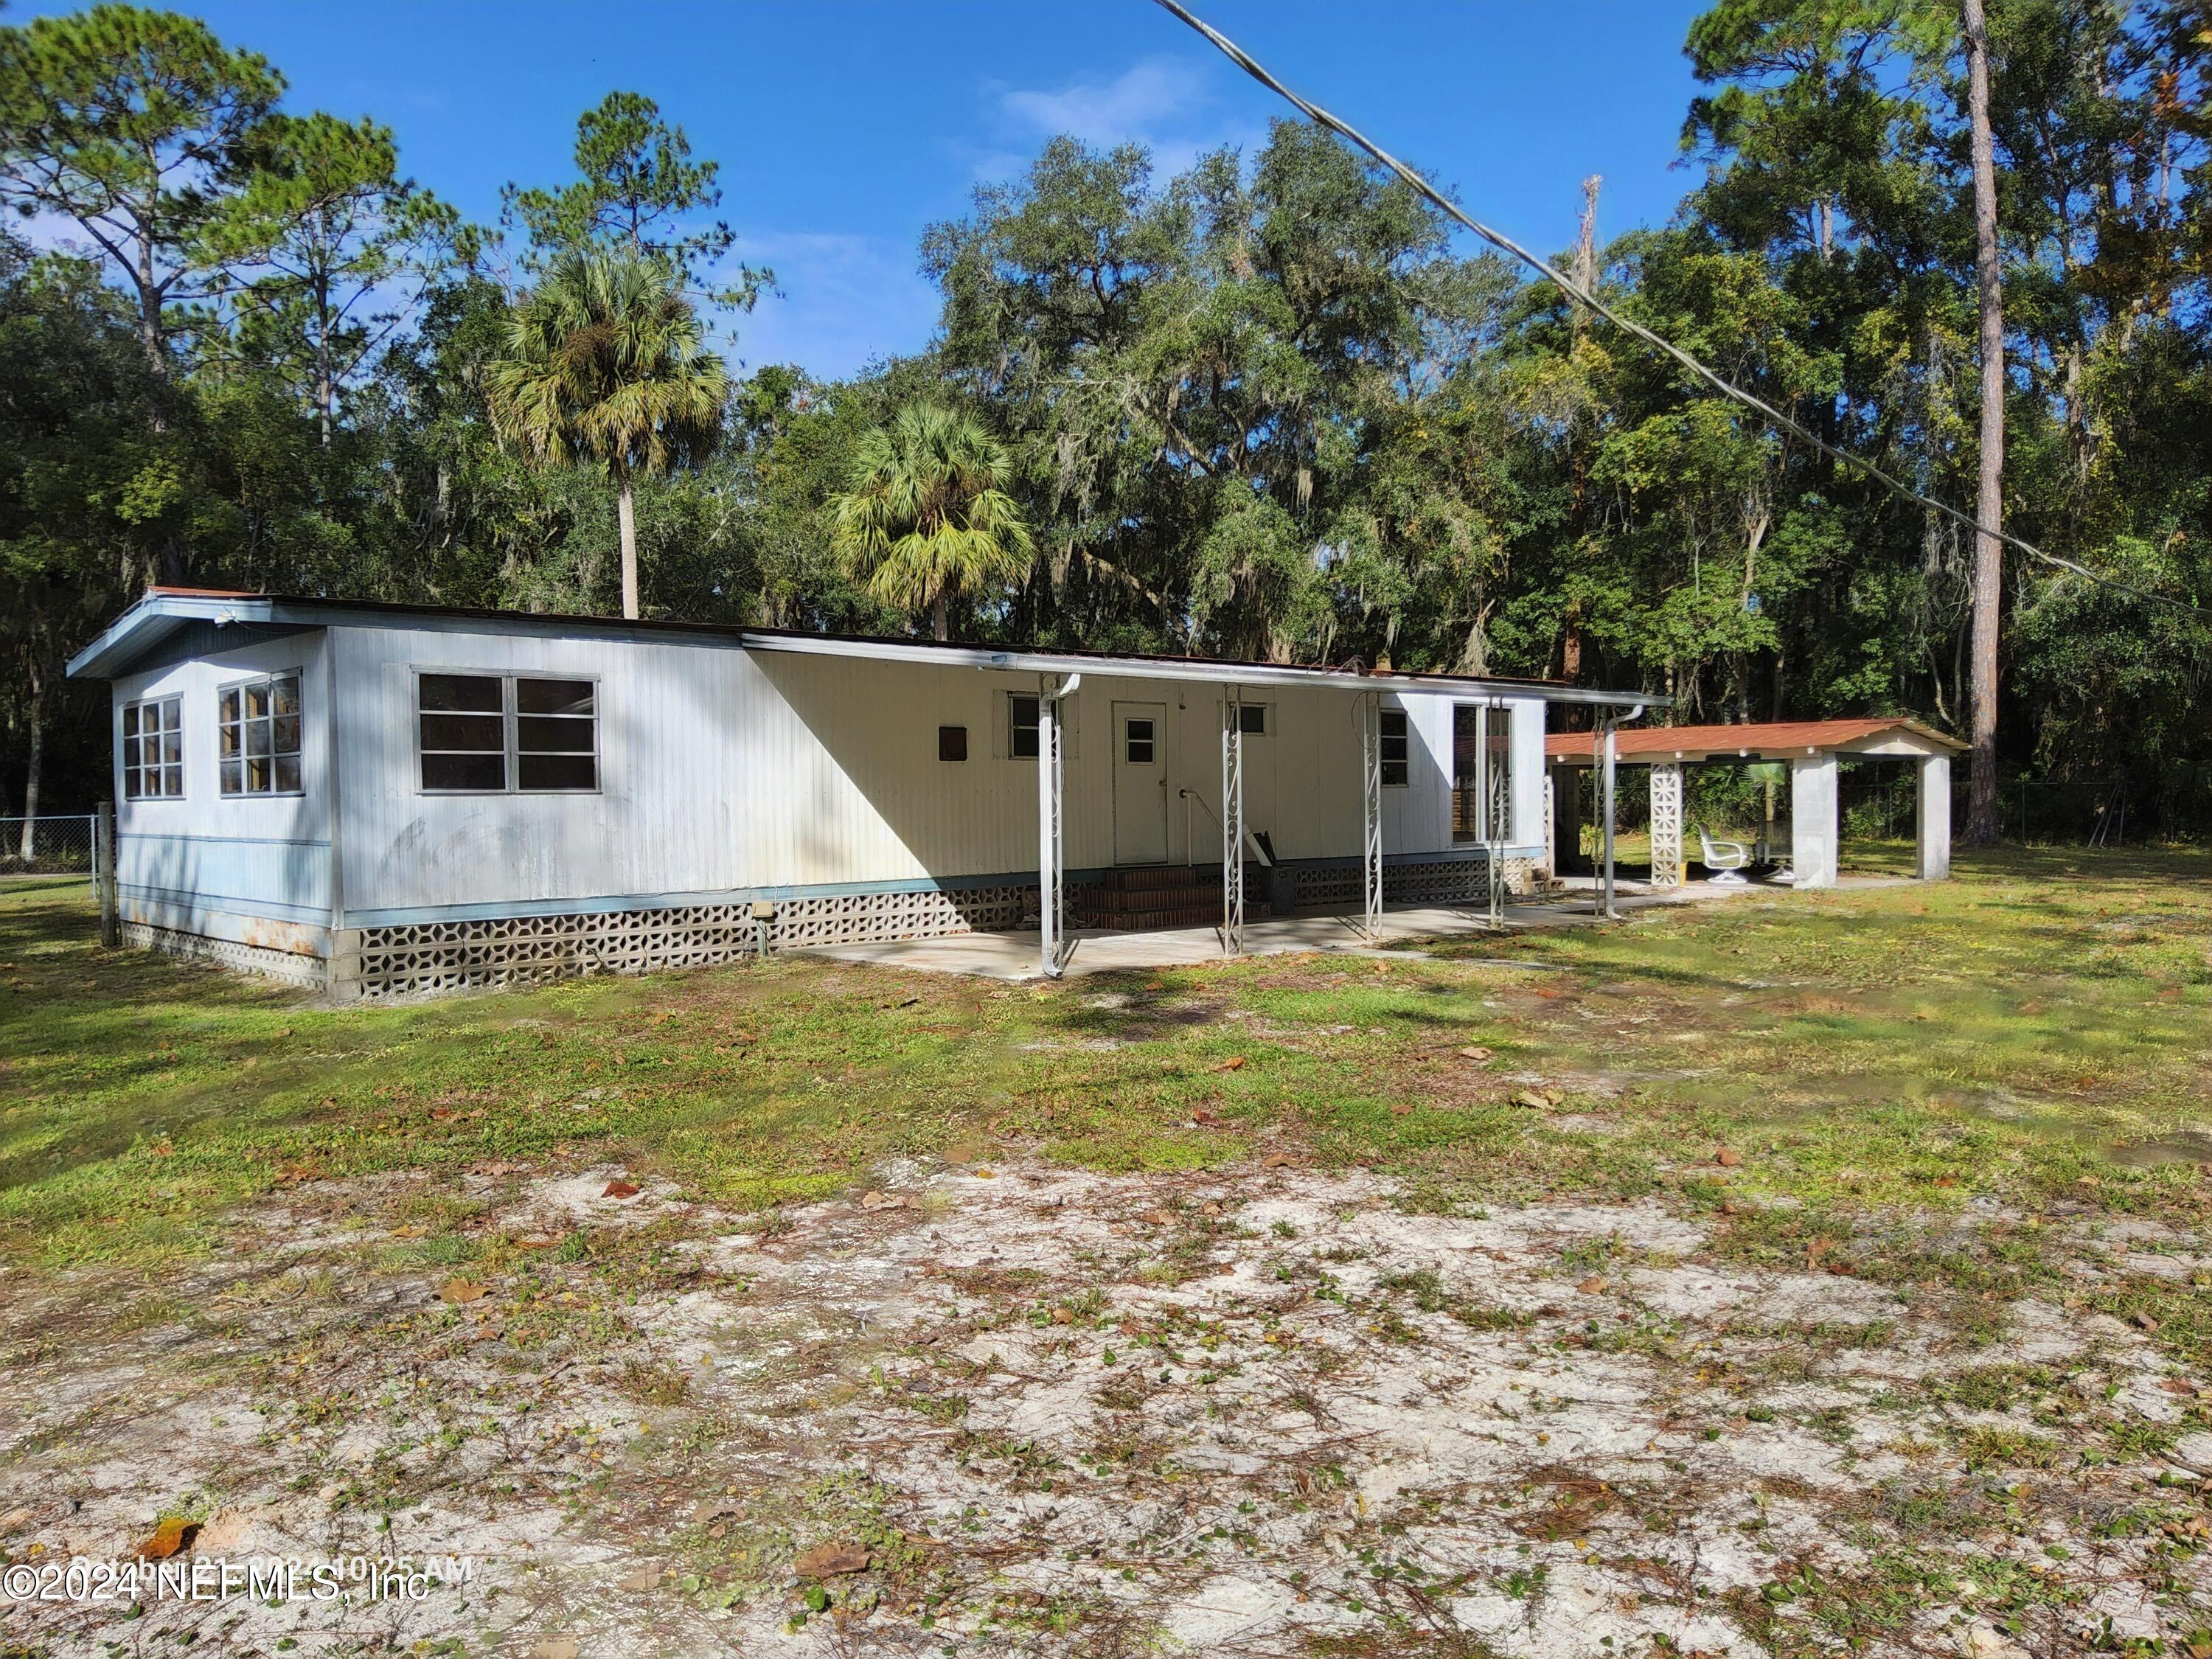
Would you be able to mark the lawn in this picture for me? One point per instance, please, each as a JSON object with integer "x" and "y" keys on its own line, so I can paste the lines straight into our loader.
{"x": 1793, "y": 1274}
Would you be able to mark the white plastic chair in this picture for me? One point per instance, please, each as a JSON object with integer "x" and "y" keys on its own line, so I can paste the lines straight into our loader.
{"x": 1723, "y": 860}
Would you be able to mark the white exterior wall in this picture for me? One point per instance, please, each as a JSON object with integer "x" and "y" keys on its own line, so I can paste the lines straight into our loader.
{"x": 251, "y": 869}
{"x": 729, "y": 772}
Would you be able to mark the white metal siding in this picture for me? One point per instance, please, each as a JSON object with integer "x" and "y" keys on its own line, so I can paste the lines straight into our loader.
{"x": 723, "y": 770}
{"x": 252, "y": 868}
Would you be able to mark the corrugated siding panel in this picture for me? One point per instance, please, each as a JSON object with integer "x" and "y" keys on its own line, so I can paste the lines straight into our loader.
{"x": 723, "y": 771}
{"x": 255, "y": 869}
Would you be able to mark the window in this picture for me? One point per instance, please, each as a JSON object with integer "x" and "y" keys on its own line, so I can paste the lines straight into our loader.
{"x": 1395, "y": 750}
{"x": 462, "y": 730}
{"x": 1139, "y": 736}
{"x": 1252, "y": 719}
{"x": 489, "y": 733}
{"x": 1021, "y": 725}
{"x": 154, "y": 749}
{"x": 952, "y": 743}
{"x": 1469, "y": 823}
{"x": 556, "y": 735}
{"x": 257, "y": 731}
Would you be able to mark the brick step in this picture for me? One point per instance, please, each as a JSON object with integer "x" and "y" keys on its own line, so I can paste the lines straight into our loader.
{"x": 1148, "y": 877}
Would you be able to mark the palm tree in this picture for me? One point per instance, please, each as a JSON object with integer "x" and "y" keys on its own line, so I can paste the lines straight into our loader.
{"x": 926, "y": 516}
{"x": 606, "y": 361}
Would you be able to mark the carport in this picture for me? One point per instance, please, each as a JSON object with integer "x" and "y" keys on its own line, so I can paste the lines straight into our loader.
{"x": 1814, "y": 748}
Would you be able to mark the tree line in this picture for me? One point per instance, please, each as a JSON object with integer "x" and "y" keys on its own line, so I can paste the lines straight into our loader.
{"x": 1263, "y": 408}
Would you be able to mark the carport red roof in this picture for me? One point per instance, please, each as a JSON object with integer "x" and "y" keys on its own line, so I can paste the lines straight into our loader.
{"x": 1776, "y": 740}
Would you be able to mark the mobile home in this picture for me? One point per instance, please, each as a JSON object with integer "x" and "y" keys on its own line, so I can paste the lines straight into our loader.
{"x": 387, "y": 799}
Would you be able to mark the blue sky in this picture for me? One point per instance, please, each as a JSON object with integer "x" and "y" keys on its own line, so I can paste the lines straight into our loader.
{"x": 843, "y": 128}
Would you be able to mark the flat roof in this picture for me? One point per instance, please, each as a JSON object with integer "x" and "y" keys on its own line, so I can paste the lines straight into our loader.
{"x": 1644, "y": 745}
{"x": 163, "y": 611}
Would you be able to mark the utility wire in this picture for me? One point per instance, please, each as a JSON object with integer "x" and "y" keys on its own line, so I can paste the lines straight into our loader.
{"x": 1757, "y": 405}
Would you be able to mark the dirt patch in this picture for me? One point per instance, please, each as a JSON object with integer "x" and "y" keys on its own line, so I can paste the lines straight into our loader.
{"x": 1027, "y": 1410}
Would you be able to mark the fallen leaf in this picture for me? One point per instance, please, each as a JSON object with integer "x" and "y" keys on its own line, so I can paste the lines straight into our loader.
{"x": 461, "y": 1290}
{"x": 410, "y": 1231}
{"x": 1533, "y": 1101}
{"x": 172, "y": 1533}
{"x": 1158, "y": 1217}
{"x": 1475, "y": 1053}
{"x": 1209, "y": 1208}
{"x": 643, "y": 1579}
{"x": 875, "y": 1201}
{"x": 556, "y": 1647}
{"x": 711, "y": 1509}
{"x": 1727, "y": 1157}
{"x": 620, "y": 1188}
{"x": 831, "y": 1561}
{"x": 1234, "y": 1063}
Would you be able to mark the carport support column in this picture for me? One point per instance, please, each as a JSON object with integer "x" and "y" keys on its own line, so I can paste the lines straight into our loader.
{"x": 1934, "y": 815}
{"x": 1667, "y": 824}
{"x": 1813, "y": 820}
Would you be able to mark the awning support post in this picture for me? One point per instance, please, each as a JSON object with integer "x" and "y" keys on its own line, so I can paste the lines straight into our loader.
{"x": 1493, "y": 801}
{"x": 1370, "y": 802}
{"x": 1232, "y": 822}
{"x": 1051, "y": 864}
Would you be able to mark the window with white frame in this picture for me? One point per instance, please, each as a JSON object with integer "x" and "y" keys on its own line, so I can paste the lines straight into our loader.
{"x": 1021, "y": 725}
{"x": 1396, "y": 752}
{"x": 502, "y": 734}
{"x": 1252, "y": 720}
{"x": 258, "y": 735}
{"x": 154, "y": 749}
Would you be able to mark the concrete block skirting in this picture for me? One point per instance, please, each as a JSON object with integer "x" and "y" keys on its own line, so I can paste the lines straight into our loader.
{"x": 429, "y": 958}
{"x": 291, "y": 967}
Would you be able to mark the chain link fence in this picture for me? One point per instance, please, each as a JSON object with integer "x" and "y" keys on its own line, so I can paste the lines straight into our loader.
{"x": 48, "y": 846}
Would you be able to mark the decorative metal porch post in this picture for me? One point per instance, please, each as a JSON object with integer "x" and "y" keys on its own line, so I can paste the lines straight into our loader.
{"x": 1232, "y": 822}
{"x": 1371, "y": 799}
{"x": 1052, "y": 863}
{"x": 1493, "y": 802}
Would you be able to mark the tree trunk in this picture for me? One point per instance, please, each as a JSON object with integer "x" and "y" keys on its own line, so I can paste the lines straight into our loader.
{"x": 36, "y": 763}
{"x": 325, "y": 393}
{"x": 940, "y": 618}
{"x": 1586, "y": 246}
{"x": 626, "y": 512}
{"x": 1989, "y": 506}
{"x": 154, "y": 340}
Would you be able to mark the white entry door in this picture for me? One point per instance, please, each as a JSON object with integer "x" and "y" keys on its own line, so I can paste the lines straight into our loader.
{"x": 1141, "y": 783}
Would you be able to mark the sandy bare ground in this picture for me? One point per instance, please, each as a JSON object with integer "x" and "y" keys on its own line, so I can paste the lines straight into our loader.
{"x": 1028, "y": 1410}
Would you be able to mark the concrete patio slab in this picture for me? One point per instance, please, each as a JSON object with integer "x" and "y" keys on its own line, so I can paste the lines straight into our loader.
{"x": 1013, "y": 955}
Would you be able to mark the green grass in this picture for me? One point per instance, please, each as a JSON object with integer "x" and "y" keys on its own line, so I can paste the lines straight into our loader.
{"x": 2035, "y": 1031}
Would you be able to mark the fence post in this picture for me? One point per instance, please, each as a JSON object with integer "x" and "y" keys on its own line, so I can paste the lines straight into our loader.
{"x": 103, "y": 872}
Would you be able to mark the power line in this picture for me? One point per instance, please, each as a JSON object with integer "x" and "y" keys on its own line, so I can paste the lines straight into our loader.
{"x": 1757, "y": 405}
